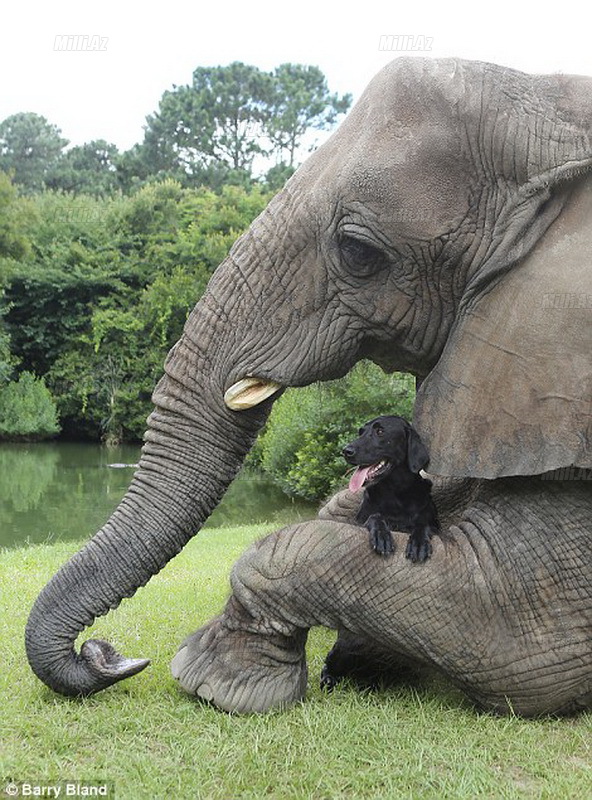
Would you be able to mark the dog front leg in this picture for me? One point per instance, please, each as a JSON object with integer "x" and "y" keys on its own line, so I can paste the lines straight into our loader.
{"x": 381, "y": 539}
{"x": 419, "y": 545}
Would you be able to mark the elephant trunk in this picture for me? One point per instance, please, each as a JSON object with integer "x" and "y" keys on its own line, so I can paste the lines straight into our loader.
{"x": 193, "y": 449}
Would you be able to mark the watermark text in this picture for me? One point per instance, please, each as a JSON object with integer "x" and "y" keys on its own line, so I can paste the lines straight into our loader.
{"x": 402, "y": 43}
{"x": 568, "y": 474}
{"x": 567, "y": 300}
{"x": 80, "y": 43}
{"x": 57, "y": 789}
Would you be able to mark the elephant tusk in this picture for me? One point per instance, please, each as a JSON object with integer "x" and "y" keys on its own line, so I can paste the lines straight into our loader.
{"x": 249, "y": 392}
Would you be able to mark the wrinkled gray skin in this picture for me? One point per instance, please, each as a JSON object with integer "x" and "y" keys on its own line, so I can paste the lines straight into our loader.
{"x": 441, "y": 230}
{"x": 502, "y": 608}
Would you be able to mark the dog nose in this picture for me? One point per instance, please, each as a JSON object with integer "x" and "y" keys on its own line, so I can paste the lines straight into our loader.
{"x": 348, "y": 451}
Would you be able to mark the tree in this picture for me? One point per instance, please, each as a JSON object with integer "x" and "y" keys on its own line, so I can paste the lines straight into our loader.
{"x": 276, "y": 176}
{"x": 7, "y": 360}
{"x": 71, "y": 263}
{"x": 301, "y": 100}
{"x": 210, "y": 132}
{"x": 30, "y": 148}
{"x": 132, "y": 169}
{"x": 13, "y": 244}
{"x": 27, "y": 410}
{"x": 87, "y": 169}
{"x": 218, "y": 119}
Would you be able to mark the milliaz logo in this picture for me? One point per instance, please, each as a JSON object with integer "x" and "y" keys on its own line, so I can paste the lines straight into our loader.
{"x": 567, "y": 300}
{"x": 568, "y": 474}
{"x": 404, "y": 43}
{"x": 81, "y": 43}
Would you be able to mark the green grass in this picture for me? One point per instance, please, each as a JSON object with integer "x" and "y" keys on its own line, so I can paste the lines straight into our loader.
{"x": 151, "y": 741}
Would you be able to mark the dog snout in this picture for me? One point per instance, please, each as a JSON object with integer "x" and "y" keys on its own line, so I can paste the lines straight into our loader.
{"x": 348, "y": 452}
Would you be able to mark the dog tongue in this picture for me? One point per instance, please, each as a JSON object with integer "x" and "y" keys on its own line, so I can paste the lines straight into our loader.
{"x": 357, "y": 479}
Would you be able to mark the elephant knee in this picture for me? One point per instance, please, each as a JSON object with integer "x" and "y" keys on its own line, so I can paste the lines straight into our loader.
{"x": 277, "y": 557}
{"x": 262, "y": 579}
{"x": 285, "y": 579}
{"x": 342, "y": 507}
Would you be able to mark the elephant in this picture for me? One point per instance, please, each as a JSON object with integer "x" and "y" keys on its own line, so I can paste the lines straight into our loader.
{"x": 443, "y": 230}
{"x": 511, "y": 631}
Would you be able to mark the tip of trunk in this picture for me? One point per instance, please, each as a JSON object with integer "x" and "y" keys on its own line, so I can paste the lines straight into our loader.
{"x": 98, "y": 666}
{"x": 109, "y": 665}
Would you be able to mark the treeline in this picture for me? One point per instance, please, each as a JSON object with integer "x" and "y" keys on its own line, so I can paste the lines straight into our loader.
{"x": 206, "y": 133}
{"x": 103, "y": 255}
{"x": 97, "y": 290}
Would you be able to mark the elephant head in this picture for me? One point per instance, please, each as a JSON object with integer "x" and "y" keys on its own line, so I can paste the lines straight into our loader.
{"x": 427, "y": 234}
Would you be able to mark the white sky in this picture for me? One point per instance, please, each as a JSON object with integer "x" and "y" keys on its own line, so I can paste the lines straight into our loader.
{"x": 150, "y": 47}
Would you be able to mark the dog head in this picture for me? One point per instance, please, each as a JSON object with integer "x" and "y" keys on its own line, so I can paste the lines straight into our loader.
{"x": 383, "y": 444}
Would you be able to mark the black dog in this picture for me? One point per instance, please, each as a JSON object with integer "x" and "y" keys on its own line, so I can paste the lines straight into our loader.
{"x": 389, "y": 455}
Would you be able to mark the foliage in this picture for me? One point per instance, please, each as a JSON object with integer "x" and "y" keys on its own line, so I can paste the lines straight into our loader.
{"x": 27, "y": 410}
{"x": 103, "y": 289}
{"x": 308, "y": 428}
{"x": 90, "y": 168}
{"x": 215, "y": 127}
{"x": 95, "y": 284}
{"x": 7, "y": 360}
{"x": 71, "y": 265}
{"x": 276, "y": 176}
{"x": 301, "y": 101}
{"x": 213, "y": 120}
{"x": 30, "y": 148}
{"x": 13, "y": 244}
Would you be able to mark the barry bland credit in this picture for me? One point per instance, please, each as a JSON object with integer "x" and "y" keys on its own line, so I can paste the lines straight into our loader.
{"x": 63, "y": 789}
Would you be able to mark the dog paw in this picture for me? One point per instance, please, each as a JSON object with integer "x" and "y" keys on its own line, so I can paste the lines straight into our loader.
{"x": 328, "y": 681}
{"x": 419, "y": 548}
{"x": 382, "y": 542}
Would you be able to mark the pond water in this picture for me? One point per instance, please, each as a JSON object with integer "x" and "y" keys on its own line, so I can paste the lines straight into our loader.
{"x": 66, "y": 491}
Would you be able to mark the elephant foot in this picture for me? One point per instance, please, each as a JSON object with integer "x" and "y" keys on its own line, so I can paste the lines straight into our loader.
{"x": 242, "y": 670}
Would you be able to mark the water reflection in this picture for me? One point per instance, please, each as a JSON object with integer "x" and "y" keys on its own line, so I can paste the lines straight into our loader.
{"x": 66, "y": 491}
{"x": 254, "y": 498}
{"x": 25, "y": 476}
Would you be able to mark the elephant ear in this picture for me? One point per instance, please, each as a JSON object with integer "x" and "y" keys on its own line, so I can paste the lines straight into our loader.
{"x": 512, "y": 391}
{"x": 417, "y": 455}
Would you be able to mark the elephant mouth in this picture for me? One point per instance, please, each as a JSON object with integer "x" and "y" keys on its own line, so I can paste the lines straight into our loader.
{"x": 249, "y": 392}
{"x": 365, "y": 476}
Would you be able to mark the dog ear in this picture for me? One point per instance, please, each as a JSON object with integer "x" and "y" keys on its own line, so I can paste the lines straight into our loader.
{"x": 417, "y": 453}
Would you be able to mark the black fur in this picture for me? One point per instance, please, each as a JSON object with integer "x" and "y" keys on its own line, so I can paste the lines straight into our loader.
{"x": 396, "y": 497}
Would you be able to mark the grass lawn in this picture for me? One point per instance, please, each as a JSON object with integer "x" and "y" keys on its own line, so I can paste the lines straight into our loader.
{"x": 148, "y": 740}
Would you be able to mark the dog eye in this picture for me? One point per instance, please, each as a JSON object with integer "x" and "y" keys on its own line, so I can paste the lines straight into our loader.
{"x": 378, "y": 430}
{"x": 361, "y": 257}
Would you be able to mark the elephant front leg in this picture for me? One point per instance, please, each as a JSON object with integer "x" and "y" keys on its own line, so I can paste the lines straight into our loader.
{"x": 241, "y": 664}
{"x": 379, "y": 535}
{"x": 252, "y": 657}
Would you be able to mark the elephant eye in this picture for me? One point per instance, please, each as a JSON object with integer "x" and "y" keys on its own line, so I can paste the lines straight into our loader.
{"x": 360, "y": 257}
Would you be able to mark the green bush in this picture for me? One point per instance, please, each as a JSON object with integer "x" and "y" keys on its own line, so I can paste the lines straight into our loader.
{"x": 27, "y": 410}
{"x": 301, "y": 446}
{"x": 102, "y": 290}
